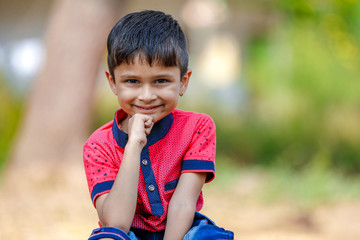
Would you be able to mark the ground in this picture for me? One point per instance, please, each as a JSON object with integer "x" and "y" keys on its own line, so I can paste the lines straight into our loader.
{"x": 58, "y": 207}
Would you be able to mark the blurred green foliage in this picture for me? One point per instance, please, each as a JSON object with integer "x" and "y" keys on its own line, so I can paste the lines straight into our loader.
{"x": 10, "y": 110}
{"x": 306, "y": 189}
{"x": 303, "y": 76}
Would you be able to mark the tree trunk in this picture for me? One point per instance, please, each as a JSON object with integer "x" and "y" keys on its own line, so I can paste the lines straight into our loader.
{"x": 44, "y": 193}
{"x": 58, "y": 112}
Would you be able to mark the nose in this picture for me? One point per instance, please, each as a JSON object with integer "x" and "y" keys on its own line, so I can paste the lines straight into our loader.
{"x": 147, "y": 94}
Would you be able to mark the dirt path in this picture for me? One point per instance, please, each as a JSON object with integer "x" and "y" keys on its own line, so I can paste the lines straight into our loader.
{"x": 58, "y": 208}
{"x": 251, "y": 221}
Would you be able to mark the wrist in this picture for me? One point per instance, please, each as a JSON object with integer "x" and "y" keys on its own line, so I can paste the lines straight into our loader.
{"x": 135, "y": 145}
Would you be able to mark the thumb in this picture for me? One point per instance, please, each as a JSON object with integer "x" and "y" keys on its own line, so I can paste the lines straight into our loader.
{"x": 148, "y": 124}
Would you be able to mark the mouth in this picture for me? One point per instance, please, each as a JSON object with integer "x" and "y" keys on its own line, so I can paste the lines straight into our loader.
{"x": 147, "y": 109}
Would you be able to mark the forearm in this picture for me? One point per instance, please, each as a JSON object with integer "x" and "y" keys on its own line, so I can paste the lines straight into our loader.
{"x": 179, "y": 220}
{"x": 118, "y": 209}
{"x": 182, "y": 205}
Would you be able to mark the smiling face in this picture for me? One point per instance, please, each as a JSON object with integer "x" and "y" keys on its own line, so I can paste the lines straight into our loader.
{"x": 150, "y": 90}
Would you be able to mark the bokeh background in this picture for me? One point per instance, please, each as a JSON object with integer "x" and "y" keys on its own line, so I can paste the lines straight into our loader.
{"x": 281, "y": 79}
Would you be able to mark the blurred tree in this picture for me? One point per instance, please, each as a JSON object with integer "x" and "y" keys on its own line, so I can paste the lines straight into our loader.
{"x": 10, "y": 106}
{"x": 58, "y": 110}
{"x": 303, "y": 78}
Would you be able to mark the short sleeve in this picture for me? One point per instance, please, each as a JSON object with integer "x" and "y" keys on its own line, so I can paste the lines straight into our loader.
{"x": 200, "y": 156}
{"x": 100, "y": 169}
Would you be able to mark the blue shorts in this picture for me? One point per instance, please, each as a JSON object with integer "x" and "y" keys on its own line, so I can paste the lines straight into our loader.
{"x": 202, "y": 228}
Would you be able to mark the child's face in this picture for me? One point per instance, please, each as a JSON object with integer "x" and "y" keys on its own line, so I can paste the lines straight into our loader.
{"x": 151, "y": 90}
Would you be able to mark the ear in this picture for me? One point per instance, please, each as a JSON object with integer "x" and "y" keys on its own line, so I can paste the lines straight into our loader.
{"x": 111, "y": 82}
{"x": 184, "y": 82}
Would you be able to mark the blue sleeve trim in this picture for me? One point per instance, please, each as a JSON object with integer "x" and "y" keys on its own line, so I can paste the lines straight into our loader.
{"x": 101, "y": 187}
{"x": 200, "y": 166}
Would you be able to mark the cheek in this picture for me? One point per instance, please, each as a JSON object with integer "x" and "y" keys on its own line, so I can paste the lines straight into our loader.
{"x": 171, "y": 99}
{"x": 125, "y": 96}
{"x": 172, "y": 93}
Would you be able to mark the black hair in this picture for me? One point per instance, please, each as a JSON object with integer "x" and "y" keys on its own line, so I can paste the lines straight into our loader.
{"x": 153, "y": 36}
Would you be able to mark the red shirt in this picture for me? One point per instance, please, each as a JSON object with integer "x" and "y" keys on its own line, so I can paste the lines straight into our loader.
{"x": 180, "y": 142}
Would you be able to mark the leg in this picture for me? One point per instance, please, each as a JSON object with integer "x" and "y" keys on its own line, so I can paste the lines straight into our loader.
{"x": 205, "y": 228}
{"x": 105, "y": 233}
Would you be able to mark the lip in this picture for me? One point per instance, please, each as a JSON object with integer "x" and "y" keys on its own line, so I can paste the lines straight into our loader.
{"x": 147, "y": 109}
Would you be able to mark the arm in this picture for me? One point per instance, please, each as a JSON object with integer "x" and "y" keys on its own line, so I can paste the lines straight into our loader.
{"x": 182, "y": 205}
{"x": 117, "y": 208}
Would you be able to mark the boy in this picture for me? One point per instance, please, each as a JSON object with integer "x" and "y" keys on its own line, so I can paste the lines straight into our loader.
{"x": 146, "y": 168}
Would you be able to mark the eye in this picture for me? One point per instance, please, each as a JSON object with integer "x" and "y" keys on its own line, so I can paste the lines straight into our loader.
{"x": 132, "y": 81}
{"x": 162, "y": 80}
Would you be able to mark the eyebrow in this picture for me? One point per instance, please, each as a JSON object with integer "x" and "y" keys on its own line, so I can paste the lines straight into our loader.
{"x": 154, "y": 76}
{"x": 127, "y": 76}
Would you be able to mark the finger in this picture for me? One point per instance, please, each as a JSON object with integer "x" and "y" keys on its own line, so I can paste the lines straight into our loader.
{"x": 148, "y": 119}
{"x": 148, "y": 127}
{"x": 148, "y": 124}
{"x": 148, "y": 130}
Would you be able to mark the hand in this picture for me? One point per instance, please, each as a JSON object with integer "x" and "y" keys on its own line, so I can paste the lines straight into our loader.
{"x": 139, "y": 126}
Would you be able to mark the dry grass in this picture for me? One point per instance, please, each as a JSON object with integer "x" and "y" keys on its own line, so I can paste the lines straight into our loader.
{"x": 56, "y": 206}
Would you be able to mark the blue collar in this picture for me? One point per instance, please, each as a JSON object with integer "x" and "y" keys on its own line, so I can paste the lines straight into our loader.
{"x": 159, "y": 130}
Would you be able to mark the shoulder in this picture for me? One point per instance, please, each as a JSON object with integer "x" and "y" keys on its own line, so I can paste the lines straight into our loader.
{"x": 191, "y": 118}
{"x": 185, "y": 115}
